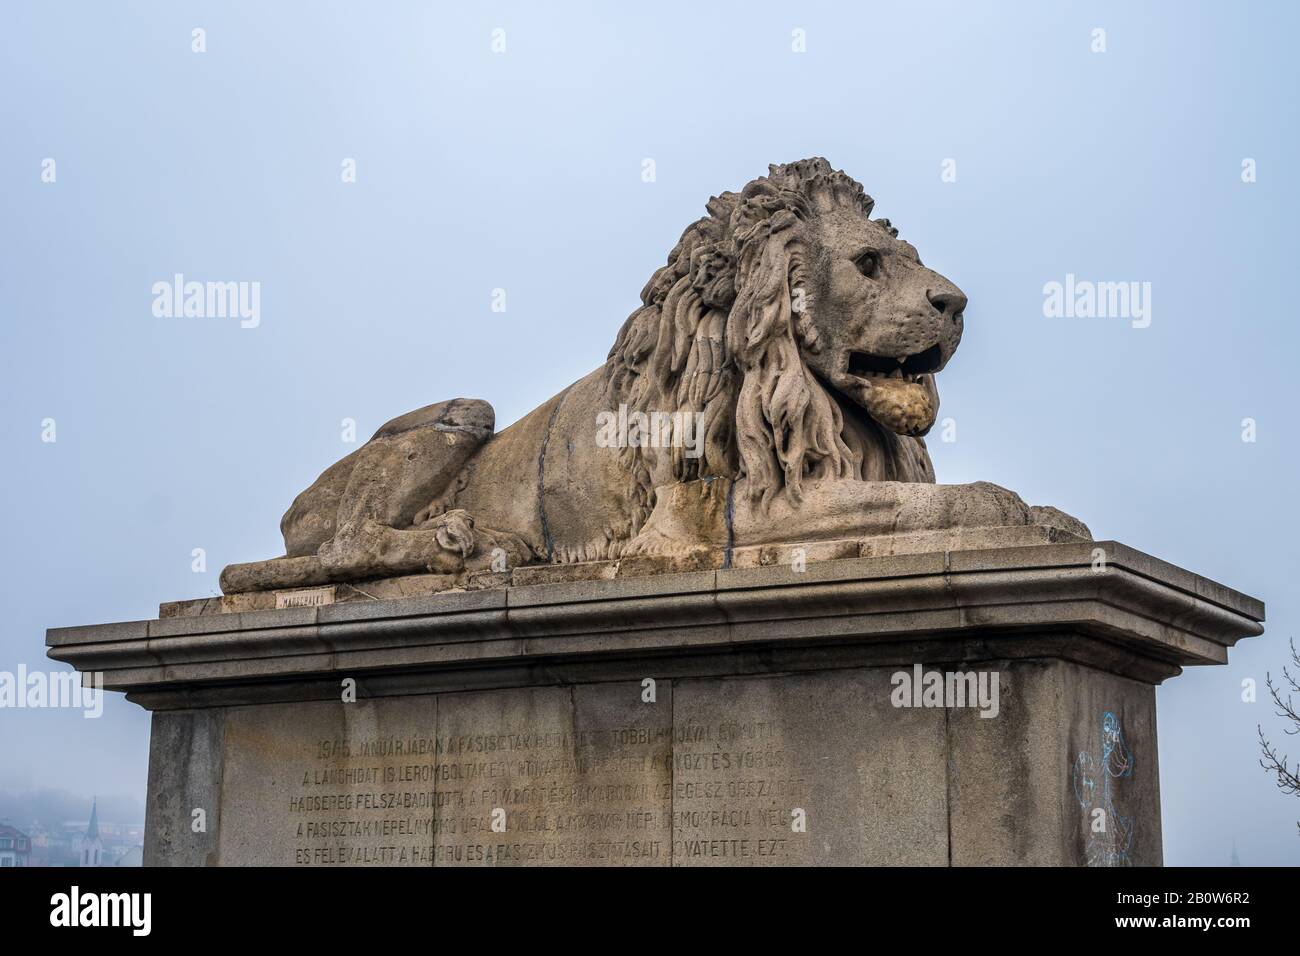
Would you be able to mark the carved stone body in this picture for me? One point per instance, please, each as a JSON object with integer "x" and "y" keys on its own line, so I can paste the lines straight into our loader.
{"x": 799, "y": 339}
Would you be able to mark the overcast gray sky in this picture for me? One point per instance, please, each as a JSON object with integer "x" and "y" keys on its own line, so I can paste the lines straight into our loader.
{"x": 522, "y": 170}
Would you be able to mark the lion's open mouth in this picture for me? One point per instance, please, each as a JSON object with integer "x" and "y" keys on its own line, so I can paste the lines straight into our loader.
{"x": 894, "y": 391}
{"x": 867, "y": 365}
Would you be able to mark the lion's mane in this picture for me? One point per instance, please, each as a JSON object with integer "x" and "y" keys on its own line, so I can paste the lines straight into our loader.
{"x": 718, "y": 336}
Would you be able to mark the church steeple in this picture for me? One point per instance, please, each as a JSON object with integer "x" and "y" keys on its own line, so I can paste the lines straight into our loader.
{"x": 90, "y": 848}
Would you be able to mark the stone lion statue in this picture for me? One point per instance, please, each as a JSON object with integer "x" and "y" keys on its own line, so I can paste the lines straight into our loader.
{"x": 774, "y": 386}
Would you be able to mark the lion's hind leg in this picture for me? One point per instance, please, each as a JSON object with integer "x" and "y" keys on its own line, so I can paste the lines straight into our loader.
{"x": 356, "y": 520}
{"x": 448, "y": 543}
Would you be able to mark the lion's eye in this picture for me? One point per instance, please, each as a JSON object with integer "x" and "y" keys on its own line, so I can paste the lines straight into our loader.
{"x": 868, "y": 264}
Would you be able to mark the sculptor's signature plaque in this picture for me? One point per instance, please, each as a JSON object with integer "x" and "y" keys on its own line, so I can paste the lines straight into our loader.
{"x": 304, "y": 597}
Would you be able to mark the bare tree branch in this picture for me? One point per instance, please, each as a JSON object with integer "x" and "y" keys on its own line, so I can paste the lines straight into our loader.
{"x": 1287, "y": 780}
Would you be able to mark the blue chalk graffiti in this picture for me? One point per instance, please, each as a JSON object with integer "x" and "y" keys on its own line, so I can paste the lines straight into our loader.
{"x": 1110, "y": 845}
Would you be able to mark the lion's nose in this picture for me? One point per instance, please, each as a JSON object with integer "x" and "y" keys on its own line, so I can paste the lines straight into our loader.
{"x": 948, "y": 302}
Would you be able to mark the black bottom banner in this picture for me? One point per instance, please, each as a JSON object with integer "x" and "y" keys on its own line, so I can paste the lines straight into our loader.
{"x": 313, "y": 906}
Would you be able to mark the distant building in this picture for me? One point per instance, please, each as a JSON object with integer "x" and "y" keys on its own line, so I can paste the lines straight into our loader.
{"x": 43, "y": 848}
{"x": 90, "y": 848}
{"x": 15, "y": 847}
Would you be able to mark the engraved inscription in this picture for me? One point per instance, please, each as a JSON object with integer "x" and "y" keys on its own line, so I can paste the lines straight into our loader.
{"x": 712, "y": 772}
{"x": 567, "y": 775}
{"x": 364, "y": 802}
{"x": 330, "y": 784}
{"x": 734, "y": 790}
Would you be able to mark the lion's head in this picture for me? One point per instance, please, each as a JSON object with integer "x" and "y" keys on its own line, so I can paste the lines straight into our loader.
{"x": 794, "y": 324}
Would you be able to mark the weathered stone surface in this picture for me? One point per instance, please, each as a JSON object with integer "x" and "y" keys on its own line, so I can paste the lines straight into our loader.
{"x": 1110, "y": 736}
{"x": 772, "y": 389}
{"x": 330, "y": 784}
{"x": 772, "y": 735}
{"x": 1042, "y": 761}
{"x": 754, "y": 756}
{"x": 576, "y": 775}
{"x": 1136, "y": 616}
{"x": 183, "y": 805}
{"x": 796, "y": 769}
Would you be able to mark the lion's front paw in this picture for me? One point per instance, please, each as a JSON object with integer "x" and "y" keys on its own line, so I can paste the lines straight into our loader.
{"x": 652, "y": 542}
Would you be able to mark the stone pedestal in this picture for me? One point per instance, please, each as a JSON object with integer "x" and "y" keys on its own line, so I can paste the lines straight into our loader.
{"x": 962, "y": 707}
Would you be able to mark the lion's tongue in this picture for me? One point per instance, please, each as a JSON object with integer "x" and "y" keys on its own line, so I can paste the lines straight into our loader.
{"x": 900, "y": 405}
